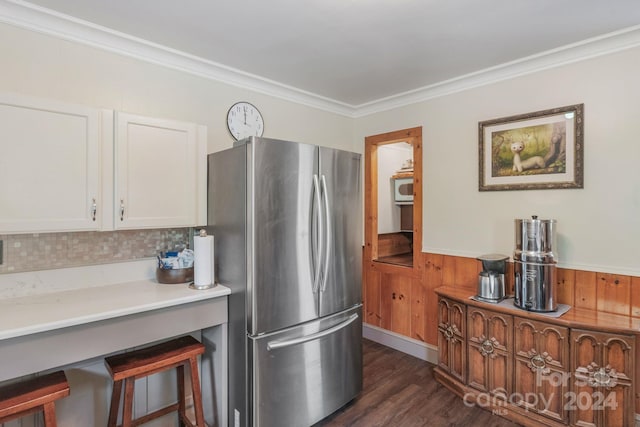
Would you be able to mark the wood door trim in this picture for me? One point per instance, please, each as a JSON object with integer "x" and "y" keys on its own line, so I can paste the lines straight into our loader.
{"x": 414, "y": 137}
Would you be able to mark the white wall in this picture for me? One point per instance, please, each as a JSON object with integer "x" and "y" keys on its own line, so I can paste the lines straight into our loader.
{"x": 45, "y": 66}
{"x": 598, "y": 226}
{"x": 390, "y": 159}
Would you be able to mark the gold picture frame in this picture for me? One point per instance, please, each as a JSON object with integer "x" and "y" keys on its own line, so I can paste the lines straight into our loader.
{"x": 534, "y": 151}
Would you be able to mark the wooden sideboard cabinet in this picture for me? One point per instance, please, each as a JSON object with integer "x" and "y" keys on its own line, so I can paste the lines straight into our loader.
{"x": 489, "y": 349}
{"x": 451, "y": 338}
{"x": 541, "y": 354}
{"x": 603, "y": 369}
{"x": 577, "y": 369}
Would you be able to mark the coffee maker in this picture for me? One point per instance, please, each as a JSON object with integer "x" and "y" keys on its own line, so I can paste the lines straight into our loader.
{"x": 491, "y": 279}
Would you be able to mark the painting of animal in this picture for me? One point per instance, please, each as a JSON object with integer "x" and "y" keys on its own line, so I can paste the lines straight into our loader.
{"x": 519, "y": 164}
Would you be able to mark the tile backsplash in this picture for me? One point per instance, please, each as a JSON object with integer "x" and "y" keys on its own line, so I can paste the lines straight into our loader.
{"x": 43, "y": 251}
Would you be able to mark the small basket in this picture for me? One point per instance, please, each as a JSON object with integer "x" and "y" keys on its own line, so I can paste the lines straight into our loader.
{"x": 174, "y": 276}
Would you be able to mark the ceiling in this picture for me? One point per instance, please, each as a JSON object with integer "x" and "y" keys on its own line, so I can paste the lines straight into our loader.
{"x": 356, "y": 52}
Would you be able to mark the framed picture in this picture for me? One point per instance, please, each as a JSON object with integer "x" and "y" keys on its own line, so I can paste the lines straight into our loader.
{"x": 534, "y": 151}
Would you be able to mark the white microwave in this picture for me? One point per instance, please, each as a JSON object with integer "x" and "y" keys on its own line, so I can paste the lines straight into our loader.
{"x": 403, "y": 191}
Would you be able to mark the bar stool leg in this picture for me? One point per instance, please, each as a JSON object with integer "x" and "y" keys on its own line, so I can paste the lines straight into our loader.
{"x": 127, "y": 415}
{"x": 115, "y": 404}
{"x": 195, "y": 389}
{"x": 49, "y": 414}
{"x": 182, "y": 410}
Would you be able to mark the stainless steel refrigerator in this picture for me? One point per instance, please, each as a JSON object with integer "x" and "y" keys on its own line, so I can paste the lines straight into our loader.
{"x": 286, "y": 218}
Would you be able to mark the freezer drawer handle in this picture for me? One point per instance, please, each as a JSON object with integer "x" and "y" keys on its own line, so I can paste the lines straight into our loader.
{"x": 273, "y": 345}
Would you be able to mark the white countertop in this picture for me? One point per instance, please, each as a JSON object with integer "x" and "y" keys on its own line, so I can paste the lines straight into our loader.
{"x": 26, "y": 315}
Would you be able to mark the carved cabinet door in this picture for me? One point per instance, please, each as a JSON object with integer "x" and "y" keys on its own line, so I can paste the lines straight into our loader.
{"x": 603, "y": 368}
{"x": 489, "y": 349}
{"x": 541, "y": 381}
{"x": 451, "y": 338}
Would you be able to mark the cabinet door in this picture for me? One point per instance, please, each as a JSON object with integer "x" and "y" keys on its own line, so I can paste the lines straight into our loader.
{"x": 159, "y": 168}
{"x": 541, "y": 364}
{"x": 451, "y": 338}
{"x": 49, "y": 167}
{"x": 395, "y": 303}
{"x": 603, "y": 368}
{"x": 489, "y": 345}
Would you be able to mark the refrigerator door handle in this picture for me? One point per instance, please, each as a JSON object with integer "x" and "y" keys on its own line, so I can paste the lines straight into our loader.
{"x": 320, "y": 243}
{"x": 328, "y": 234}
{"x": 274, "y": 345}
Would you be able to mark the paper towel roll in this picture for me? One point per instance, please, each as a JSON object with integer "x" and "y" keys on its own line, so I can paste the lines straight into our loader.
{"x": 203, "y": 265}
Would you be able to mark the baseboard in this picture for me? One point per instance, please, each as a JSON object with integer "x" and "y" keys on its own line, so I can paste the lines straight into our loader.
{"x": 401, "y": 343}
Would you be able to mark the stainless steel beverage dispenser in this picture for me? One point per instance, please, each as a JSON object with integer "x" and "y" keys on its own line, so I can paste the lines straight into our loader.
{"x": 535, "y": 264}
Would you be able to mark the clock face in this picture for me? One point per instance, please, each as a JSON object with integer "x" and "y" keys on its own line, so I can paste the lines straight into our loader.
{"x": 244, "y": 120}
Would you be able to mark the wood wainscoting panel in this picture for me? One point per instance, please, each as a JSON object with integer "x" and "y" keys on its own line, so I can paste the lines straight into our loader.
{"x": 509, "y": 285}
{"x": 635, "y": 298}
{"x": 371, "y": 295}
{"x": 393, "y": 244}
{"x": 585, "y": 290}
{"x": 613, "y": 293}
{"x": 566, "y": 285}
{"x": 424, "y": 302}
{"x": 419, "y": 305}
{"x": 461, "y": 272}
{"x": 433, "y": 266}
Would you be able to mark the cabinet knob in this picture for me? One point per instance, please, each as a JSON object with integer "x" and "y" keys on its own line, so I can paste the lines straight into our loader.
{"x": 486, "y": 348}
{"x": 537, "y": 363}
{"x": 448, "y": 332}
{"x": 601, "y": 377}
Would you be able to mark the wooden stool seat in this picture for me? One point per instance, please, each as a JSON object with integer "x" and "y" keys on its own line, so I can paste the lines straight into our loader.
{"x": 33, "y": 395}
{"x": 128, "y": 367}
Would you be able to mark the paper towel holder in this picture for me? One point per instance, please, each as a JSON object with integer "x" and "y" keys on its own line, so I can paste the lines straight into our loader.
{"x": 192, "y": 285}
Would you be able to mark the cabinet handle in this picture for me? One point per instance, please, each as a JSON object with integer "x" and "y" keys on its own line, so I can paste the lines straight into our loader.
{"x": 448, "y": 332}
{"x": 486, "y": 348}
{"x": 537, "y": 362}
{"x": 121, "y": 209}
{"x": 601, "y": 377}
{"x": 94, "y": 209}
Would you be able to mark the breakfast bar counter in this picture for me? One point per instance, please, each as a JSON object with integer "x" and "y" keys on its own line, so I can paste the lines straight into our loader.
{"x": 49, "y": 330}
{"x": 74, "y": 329}
{"x": 56, "y": 310}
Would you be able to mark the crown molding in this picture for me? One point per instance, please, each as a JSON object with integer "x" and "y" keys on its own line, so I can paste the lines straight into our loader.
{"x": 46, "y": 21}
{"x": 35, "y": 18}
{"x": 580, "y": 51}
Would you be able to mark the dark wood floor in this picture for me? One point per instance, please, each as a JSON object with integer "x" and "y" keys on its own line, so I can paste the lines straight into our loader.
{"x": 400, "y": 391}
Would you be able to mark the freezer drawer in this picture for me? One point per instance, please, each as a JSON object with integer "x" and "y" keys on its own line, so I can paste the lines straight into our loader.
{"x": 305, "y": 373}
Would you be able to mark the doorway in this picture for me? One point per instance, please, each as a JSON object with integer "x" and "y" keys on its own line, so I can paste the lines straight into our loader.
{"x": 393, "y": 227}
{"x": 393, "y": 197}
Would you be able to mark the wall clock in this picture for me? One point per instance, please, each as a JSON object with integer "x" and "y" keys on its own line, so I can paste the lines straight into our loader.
{"x": 244, "y": 120}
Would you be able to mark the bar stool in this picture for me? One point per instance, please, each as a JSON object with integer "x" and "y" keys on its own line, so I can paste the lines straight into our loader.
{"x": 128, "y": 367}
{"x": 33, "y": 395}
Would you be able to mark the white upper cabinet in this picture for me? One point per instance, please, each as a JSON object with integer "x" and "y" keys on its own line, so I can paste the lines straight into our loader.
{"x": 67, "y": 167}
{"x": 160, "y": 173}
{"x": 50, "y": 177}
